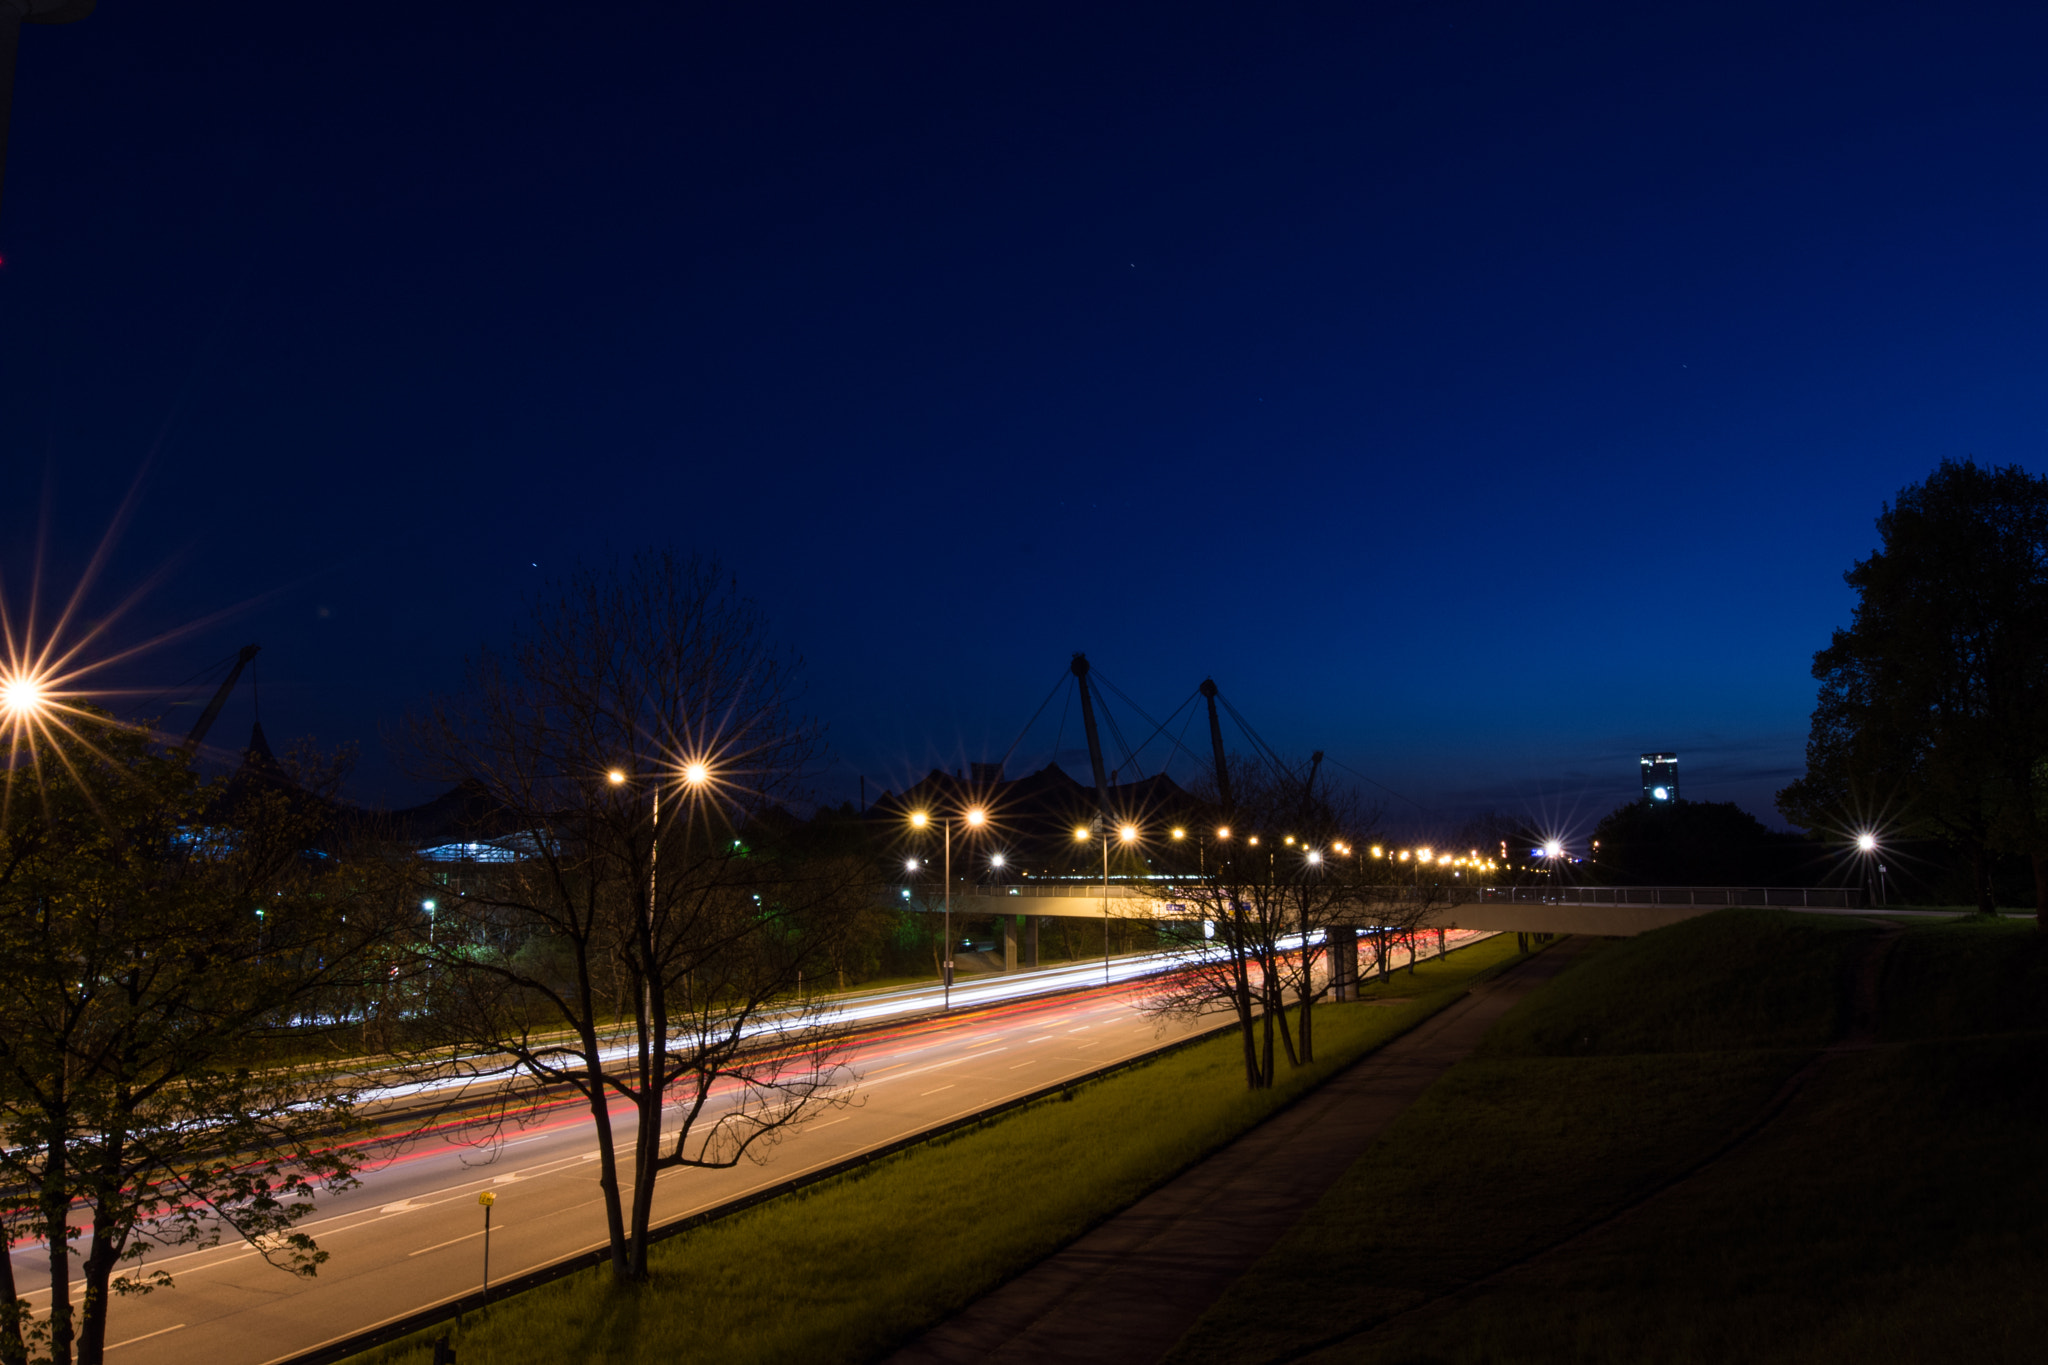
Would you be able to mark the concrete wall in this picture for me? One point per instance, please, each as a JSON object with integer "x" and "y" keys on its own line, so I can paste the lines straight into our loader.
{"x": 1608, "y": 921}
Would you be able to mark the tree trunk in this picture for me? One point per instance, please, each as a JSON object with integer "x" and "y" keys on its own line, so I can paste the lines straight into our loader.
{"x": 56, "y": 1207}
{"x": 13, "y": 1347}
{"x": 1276, "y": 1005}
{"x": 99, "y": 1272}
{"x": 1266, "y": 1070}
{"x": 2041, "y": 890}
{"x": 646, "y": 1151}
{"x": 1980, "y": 877}
{"x": 607, "y": 1158}
{"x": 1241, "y": 984}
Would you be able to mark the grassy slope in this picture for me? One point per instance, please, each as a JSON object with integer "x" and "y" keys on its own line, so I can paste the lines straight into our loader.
{"x": 1893, "y": 1214}
{"x": 848, "y": 1268}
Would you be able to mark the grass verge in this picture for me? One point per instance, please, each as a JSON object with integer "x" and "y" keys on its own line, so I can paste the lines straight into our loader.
{"x": 846, "y": 1269}
{"x": 1892, "y": 1213}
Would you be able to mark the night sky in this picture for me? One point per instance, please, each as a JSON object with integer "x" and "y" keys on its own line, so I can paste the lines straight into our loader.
{"x": 1482, "y": 393}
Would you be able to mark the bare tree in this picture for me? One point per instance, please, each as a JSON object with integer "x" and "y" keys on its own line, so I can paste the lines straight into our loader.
{"x": 1255, "y": 898}
{"x": 637, "y": 744}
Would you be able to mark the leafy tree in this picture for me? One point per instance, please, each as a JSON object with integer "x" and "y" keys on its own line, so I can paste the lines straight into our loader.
{"x": 168, "y": 950}
{"x": 1695, "y": 843}
{"x": 1933, "y": 709}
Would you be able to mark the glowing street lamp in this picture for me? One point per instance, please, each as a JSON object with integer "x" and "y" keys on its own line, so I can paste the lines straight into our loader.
{"x": 1126, "y": 834}
{"x": 975, "y": 817}
{"x": 695, "y": 774}
{"x": 1867, "y": 845}
{"x": 22, "y": 696}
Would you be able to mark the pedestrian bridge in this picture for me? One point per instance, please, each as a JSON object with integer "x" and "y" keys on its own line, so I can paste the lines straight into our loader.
{"x": 1609, "y": 911}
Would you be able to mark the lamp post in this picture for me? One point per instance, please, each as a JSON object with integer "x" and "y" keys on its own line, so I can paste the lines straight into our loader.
{"x": 486, "y": 1198}
{"x": 1866, "y": 844}
{"x": 1127, "y": 834}
{"x": 695, "y": 774}
{"x": 975, "y": 817}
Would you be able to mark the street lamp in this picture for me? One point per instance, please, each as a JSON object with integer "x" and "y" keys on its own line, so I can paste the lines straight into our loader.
{"x": 21, "y": 696}
{"x": 1866, "y": 844}
{"x": 695, "y": 774}
{"x": 975, "y": 817}
{"x": 1127, "y": 834}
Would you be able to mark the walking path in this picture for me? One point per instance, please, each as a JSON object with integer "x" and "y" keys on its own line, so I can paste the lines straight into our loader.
{"x": 1124, "y": 1293}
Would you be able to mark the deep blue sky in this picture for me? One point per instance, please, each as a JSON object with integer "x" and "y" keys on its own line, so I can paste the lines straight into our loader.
{"x": 1483, "y": 393}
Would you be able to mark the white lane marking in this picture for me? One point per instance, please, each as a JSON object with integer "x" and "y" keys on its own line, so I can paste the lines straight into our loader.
{"x": 506, "y": 1179}
{"x": 1083, "y": 1029}
{"x": 144, "y": 1337}
{"x": 449, "y": 1243}
{"x": 402, "y": 1206}
{"x": 919, "y": 1072}
{"x": 1030, "y": 1061}
{"x": 1046, "y": 1039}
{"x": 922, "y": 1094}
{"x": 1090, "y": 1043}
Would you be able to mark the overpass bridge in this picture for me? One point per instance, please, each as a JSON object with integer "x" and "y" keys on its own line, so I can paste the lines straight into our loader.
{"x": 1605, "y": 911}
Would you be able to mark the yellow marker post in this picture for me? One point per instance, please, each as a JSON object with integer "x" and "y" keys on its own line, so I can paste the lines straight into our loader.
{"x": 486, "y": 1198}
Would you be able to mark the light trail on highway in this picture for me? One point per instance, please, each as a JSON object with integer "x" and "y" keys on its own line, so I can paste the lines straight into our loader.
{"x": 410, "y": 1236}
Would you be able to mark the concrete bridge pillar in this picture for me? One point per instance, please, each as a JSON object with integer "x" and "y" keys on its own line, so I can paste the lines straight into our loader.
{"x": 1342, "y": 942}
{"x": 1010, "y": 943}
{"x": 1031, "y": 942}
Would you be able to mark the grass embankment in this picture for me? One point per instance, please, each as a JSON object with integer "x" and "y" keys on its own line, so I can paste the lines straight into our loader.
{"x": 1893, "y": 1212}
{"x": 848, "y": 1268}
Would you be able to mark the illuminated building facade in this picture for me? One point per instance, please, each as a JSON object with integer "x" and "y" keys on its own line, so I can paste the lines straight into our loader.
{"x": 1660, "y": 778}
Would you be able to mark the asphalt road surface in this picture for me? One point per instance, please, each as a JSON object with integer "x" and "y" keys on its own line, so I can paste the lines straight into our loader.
{"x": 412, "y": 1235}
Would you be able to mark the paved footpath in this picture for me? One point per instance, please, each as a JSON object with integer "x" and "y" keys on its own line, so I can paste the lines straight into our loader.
{"x": 1126, "y": 1292}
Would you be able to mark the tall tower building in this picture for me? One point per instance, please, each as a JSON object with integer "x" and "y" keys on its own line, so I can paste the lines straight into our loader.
{"x": 1660, "y": 778}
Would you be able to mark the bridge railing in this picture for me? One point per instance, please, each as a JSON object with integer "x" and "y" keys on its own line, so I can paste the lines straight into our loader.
{"x": 1081, "y": 890}
{"x": 1167, "y": 892}
{"x": 1792, "y": 897}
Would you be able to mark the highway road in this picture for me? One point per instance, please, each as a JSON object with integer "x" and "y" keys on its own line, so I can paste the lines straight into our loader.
{"x": 412, "y": 1235}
